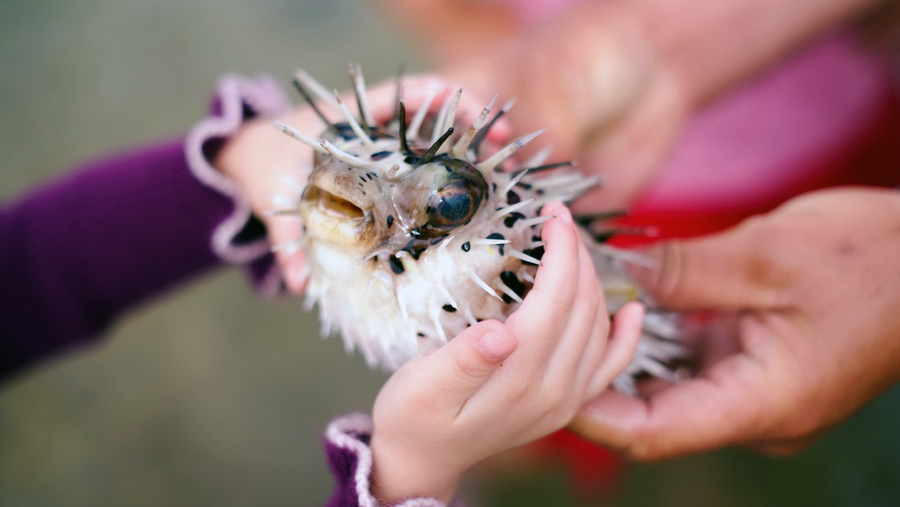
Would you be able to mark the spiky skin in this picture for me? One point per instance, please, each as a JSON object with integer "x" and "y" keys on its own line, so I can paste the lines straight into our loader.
{"x": 410, "y": 239}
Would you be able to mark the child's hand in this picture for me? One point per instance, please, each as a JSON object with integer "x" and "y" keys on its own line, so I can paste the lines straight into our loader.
{"x": 497, "y": 386}
{"x": 272, "y": 168}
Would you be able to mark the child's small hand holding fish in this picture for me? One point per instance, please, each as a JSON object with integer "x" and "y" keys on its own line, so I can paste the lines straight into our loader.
{"x": 271, "y": 169}
{"x": 498, "y": 386}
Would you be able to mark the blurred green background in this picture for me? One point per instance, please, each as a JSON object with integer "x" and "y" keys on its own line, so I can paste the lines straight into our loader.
{"x": 210, "y": 396}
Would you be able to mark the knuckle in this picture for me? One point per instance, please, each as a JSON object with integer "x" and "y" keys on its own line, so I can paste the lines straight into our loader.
{"x": 469, "y": 366}
{"x": 767, "y": 240}
{"x": 664, "y": 282}
{"x": 556, "y": 388}
{"x": 520, "y": 393}
{"x": 590, "y": 296}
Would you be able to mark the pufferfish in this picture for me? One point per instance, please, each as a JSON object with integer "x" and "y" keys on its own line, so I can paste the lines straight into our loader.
{"x": 413, "y": 230}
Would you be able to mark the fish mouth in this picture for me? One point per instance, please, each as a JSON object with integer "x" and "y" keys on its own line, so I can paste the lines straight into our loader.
{"x": 334, "y": 205}
{"x": 329, "y": 214}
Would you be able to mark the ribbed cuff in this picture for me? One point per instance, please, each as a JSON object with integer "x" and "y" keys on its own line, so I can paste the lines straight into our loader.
{"x": 350, "y": 458}
{"x": 236, "y": 100}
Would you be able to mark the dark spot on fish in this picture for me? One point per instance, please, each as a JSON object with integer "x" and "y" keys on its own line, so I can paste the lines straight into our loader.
{"x": 466, "y": 246}
{"x": 512, "y": 197}
{"x": 497, "y": 235}
{"x": 493, "y": 187}
{"x": 390, "y": 221}
{"x": 344, "y": 130}
{"x": 362, "y": 179}
{"x": 361, "y": 184}
{"x": 371, "y": 175}
{"x": 415, "y": 232}
{"x": 396, "y": 265}
{"x": 536, "y": 252}
{"x": 414, "y": 249}
{"x": 526, "y": 186}
{"x": 420, "y": 334}
{"x": 378, "y": 155}
{"x": 449, "y": 308}
{"x": 510, "y": 279}
{"x": 512, "y": 218}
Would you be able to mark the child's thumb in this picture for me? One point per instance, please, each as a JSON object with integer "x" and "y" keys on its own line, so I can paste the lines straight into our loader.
{"x": 472, "y": 357}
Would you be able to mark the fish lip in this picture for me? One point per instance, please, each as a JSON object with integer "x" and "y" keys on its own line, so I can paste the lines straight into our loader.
{"x": 342, "y": 187}
{"x": 333, "y": 214}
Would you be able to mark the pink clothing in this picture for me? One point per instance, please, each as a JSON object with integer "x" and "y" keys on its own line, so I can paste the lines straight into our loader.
{"x": 803, "y": 124}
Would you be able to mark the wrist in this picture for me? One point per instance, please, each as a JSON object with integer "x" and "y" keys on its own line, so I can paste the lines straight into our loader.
{"x": 398, "y": 475}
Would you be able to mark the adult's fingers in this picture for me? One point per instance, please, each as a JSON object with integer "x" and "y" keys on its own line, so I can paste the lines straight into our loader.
{"x": 694, "y": 415}
{"x": 737, "y": 269}
{"x": 427, "y": 90}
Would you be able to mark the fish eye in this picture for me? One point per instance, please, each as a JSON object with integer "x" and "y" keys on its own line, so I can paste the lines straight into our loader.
{"x": 456, "y": 198}
{"x": 455, "y": 206}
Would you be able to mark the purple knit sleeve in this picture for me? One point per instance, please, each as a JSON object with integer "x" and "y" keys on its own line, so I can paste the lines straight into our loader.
{"x": 347, "y": 446}
{"x": 79, "y": 251}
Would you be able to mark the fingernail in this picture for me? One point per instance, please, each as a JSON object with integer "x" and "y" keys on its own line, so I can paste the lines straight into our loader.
{"x": 560, "y": 211}
{"x": 564, "y": 214}
{"x": 494, "y": 346}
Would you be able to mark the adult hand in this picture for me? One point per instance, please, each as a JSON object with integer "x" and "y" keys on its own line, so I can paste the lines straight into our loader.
{"x": 591, "y": 78}
{"x": 816, "y": 287}
{"x": 613, "y": 80}
{"x": 497, "y": 386}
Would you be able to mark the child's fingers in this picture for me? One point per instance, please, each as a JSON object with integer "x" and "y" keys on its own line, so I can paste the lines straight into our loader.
{"x": 623, "y": 340}
{"x": 594, "y": 350}
{"x": 586, "y": 324}
{"x": 294, "y": 271}
{"x": 460, "y": 368}
{"x": 545, "y": 310}
{"x": 419, "y": 89}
